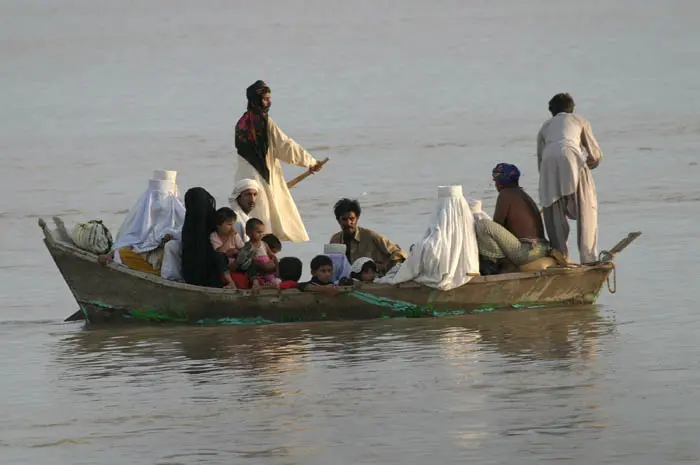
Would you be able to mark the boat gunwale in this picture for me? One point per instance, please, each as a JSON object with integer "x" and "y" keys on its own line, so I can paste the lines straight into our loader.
{"x": 52, "y": 242}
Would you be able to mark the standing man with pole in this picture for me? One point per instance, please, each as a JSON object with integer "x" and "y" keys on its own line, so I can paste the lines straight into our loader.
{"x": 261, "y": 146}
{"x": 566, "y": 154}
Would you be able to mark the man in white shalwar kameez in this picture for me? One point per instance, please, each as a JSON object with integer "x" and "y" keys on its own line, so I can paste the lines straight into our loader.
{"x": 566, "y": 154}
{"x": 447, "y": 255}
{"x": 261, "y": 146}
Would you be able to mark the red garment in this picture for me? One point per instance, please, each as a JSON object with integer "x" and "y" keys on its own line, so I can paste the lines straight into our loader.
{"x": 239, "y": 279}
{"x": 288, "y": 285}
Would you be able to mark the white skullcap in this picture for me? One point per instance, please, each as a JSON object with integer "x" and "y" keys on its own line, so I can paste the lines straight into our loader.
{"x": 244, "y": 185}
{"x": 359, "y": 263}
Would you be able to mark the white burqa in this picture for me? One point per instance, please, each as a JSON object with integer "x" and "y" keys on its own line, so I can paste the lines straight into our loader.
{"x": 447, "y": 255}
{"x": 275, "y": 205}
{"x": 157, "y": 212}
{"x": 242, "y": 217}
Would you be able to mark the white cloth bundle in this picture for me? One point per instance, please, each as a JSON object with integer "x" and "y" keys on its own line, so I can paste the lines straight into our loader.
{"x": 172, "y": 261}
{"x": 447, "y": 254}
{"x": 92, "y": 236}
{"x": 475, "y": 206}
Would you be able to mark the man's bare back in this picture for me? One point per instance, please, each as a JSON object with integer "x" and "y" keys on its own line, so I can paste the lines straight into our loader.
{"x": 518, "y": 213}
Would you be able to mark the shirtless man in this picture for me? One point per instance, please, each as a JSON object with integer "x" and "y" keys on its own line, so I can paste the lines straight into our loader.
{"x": 516, "y": 233}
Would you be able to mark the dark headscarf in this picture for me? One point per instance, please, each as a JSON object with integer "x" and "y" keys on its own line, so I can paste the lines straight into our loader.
{"x": 251, "y": 130}
{"x": 201, "y": 264}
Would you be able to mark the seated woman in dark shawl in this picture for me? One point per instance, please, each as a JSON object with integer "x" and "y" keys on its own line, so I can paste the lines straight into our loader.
{"x": 201, "y": 264}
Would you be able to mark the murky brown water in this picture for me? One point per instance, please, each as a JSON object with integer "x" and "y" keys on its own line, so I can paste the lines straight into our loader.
{"x": 402, "y": 97}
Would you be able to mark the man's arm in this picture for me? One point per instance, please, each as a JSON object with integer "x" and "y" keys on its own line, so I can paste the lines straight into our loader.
{"x": 286, "y": 149}
{"x": 386, "y": 247}
{"x": 336, "y": 238}
{"x": 591, "y": 145}
{"x": 540, "y": 147}
{"x": 502, "y": 207}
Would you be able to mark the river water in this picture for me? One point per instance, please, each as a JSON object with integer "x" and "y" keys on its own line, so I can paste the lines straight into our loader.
{"x": 403, "y": 96}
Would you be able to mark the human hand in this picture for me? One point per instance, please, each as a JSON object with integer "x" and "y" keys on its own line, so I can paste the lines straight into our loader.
{"x": 591, "y": 163}
{"x": 165, "y": 239}
{"x": 232, "y": 252}
{"x": 316, "y": 168}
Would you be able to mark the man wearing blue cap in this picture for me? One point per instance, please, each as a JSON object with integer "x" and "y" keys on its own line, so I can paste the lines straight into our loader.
{"x": 516, "y": 233}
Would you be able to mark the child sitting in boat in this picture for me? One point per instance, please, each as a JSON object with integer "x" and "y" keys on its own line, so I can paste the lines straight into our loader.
{"x": 321, "y": 276}
{"x": 290, "y": 269}
{"x": 364, "y": 270}
{"x": 256, "y": 257}
{"x": 225, "y": 239}
{"x": 274, "y": 244}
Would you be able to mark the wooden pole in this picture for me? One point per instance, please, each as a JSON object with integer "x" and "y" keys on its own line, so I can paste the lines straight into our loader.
{"x": 304, "y": 175}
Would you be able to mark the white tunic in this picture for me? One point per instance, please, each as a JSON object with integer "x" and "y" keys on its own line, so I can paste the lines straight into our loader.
{"x": 275, "y": 205}
{"x": 561, "y": 157}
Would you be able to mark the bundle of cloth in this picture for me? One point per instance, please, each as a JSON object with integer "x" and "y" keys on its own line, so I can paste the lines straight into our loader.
{"x": 155, "y": 219}
{"x": 477, "y": 210}
{"x": 446, "y": 256}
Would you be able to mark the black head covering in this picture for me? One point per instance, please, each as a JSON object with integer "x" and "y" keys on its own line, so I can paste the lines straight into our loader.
{"x": 251, "y": 130}
{"x": 201, "y": 264}
{"x": 254, "y": 93}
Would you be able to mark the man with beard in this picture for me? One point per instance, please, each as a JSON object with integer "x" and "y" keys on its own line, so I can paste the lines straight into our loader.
{"x": 261, "y": 146}
{"x": 363, "y": 242}
{"x": 242, "y": 201}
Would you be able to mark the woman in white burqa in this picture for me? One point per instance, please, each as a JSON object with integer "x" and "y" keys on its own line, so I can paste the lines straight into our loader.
{"x": 261, "y": 145}
{"x": 446, "y": 256}
{"x": 156, "y": 218}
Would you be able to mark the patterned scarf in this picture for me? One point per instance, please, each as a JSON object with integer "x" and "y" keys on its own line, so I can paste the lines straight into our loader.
{"x": 506, "y": 173}
{"x": 251, "y": 130}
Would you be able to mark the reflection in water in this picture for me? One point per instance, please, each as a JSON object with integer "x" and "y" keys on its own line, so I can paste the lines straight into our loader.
{"x": 474, "y": 383}
{"x": 562, "y": 334}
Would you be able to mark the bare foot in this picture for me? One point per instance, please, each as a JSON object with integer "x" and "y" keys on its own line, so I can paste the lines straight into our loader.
{"x": 559, "y": 257}
{"x": 106, "y": 258}
{"x": 230, "y": 286}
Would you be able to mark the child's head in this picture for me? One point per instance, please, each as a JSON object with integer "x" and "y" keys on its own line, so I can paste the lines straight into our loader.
{"x": 225, "y": 221}
{"x": 255, "y": 229}
{"x": 273, "y": 242}
{"x": 322, "y": 268}
{"x": 364, "y": 269}
{"x": 290, "y": 269}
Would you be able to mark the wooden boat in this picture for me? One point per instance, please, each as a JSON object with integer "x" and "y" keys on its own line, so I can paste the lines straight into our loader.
{"x": 114, "y": 293}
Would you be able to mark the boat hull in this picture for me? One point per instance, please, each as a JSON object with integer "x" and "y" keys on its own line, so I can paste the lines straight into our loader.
{"x": 116, "y": 294}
